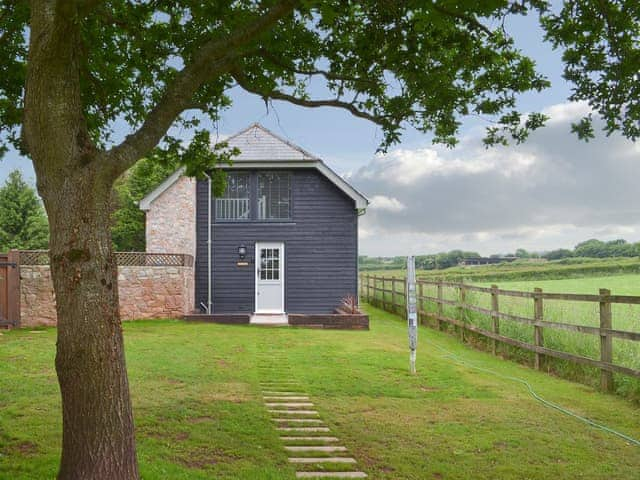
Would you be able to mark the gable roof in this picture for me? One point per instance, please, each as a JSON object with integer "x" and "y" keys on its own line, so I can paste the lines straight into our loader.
{"x": 257, "y": 143}
{"x": 261, "y": 148}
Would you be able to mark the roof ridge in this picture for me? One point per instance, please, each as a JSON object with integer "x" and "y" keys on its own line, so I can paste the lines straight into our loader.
{"x": 276, "y": 136}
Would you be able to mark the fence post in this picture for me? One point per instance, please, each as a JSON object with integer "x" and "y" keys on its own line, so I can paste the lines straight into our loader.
{"x": 461, "y": 308}
{"x": 440, "y": 306}
{"x": 606, "y": 341}
{"x": 393, "y": 294}
{"x": 365, "y": 286}
{"x": 538, "y": 337}
{"x": 420, "y": 302}
{"x": 495, "y": 319}
{"x": 406, "y": 299}
{"x": 375, "y": 291}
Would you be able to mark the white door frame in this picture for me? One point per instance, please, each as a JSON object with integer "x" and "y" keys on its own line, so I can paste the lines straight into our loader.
{"x": 281, "y": 263}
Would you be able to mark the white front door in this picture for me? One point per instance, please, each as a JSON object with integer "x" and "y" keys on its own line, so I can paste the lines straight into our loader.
{"x": 269, "y": 277}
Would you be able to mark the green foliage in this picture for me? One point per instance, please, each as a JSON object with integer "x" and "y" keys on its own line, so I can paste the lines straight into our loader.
{"x": 601, "y": 42}
{"x": 614, "y": 248}
{"x": 128, "y": 221}
{"x": 23, "y": 222}
{"x": 423, "y": 262}
{"x": 427, "y": 64}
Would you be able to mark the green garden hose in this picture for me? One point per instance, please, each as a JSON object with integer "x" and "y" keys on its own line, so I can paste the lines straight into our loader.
{"x": 548, "y": 403}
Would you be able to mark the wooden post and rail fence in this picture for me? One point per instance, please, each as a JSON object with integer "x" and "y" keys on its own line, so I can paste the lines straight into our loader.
{"x": 388, "y": 293}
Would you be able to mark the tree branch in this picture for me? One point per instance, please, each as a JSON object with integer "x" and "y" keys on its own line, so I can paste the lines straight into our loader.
{"x": 292, "y": 68}
{"x": 215, "y": 57}
{"x": 468, "y": 19}
{"x": 278, "y": 95}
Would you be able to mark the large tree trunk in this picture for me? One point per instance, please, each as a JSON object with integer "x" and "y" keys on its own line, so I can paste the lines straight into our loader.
{"x": 75, "y": 183}
{"x": 98, "y": 434}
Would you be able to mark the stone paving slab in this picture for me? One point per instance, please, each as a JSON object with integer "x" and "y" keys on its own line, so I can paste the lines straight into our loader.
{"x": 269, "y": 392}
{"x": 304, "y": 439}
{"x": 297, "y": 420}
{"x": 331, "y": 475}
{"x": 285, "y": 397}
{"x": 294, "y": 412}
{"x": 322, "y": 460}
{"x": 315, "y": 448}
{"x": 303, "y": 429}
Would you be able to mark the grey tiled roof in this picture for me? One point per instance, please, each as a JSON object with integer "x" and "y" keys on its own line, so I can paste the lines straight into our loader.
{"x": 256, "y": 143}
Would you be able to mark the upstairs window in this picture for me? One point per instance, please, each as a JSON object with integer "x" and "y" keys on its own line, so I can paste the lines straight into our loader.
{"x": 234, "y": 204}
{"x": 274, "y": 196}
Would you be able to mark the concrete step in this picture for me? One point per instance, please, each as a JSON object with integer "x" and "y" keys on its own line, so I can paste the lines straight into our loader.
{"x": 314, "y": 448}
{"x": 281, "y": 393}
{"x": 289, "y": 404}
{"x": 284, "y": 384}
{"x": 294, "y": 412}
{"x": 262, "y": 319}
{"x": 331, "y": 475}
{"x": 322, "y": 460}
{"x": 304, "y": 439}
{"x": 284, "y": 397}
{"x": 298, "y": 420}
{"x": 303, "y": 429}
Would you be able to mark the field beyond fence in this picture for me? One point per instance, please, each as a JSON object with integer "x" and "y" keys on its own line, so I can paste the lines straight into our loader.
{"x": 587, "y": 337}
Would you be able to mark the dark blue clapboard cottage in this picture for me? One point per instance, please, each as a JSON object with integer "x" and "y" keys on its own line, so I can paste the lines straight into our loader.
{"x": 283, "y": 239}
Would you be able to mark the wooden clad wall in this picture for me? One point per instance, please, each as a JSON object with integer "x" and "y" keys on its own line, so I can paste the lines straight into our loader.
{"x": 321, "y": 250}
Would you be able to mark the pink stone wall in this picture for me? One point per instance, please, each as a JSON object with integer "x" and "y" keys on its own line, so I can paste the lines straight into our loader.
{"x": 171, "y": 219}
{"x": 37, "y": 300}
{"x": 145, "y": 292}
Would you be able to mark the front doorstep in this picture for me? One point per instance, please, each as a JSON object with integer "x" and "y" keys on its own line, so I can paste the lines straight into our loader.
{"x": 269, "y": 319}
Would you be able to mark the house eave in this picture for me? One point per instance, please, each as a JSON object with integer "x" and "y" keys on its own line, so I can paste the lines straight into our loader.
{"x": 145, "y": 203}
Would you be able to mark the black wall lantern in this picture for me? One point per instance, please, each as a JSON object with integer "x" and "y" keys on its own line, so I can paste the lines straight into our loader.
{"x": 242, "y": 252}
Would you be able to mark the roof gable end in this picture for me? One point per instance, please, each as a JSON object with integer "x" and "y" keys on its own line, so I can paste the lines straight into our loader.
{"x": 261, "y": 148}
{"x": 256, "y": 143}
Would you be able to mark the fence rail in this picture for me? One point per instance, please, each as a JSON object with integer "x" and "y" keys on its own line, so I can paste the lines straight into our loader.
{"x": 373, "y": 289}
{"x": 41, "y": 257}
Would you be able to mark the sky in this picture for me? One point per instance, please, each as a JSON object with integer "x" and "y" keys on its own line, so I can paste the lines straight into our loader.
{"x": 551, "y": 192}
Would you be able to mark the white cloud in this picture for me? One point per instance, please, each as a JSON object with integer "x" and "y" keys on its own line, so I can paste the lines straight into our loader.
{"x": 552, "y": 191}
{"x": 407, "y": 167}
{"x": 566, "y": 112}
{"x": 389, "y": 204}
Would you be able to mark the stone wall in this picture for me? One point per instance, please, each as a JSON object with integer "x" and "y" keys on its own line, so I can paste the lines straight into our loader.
{"x": 145, "y": 292}
{"x": 171, "y": 219}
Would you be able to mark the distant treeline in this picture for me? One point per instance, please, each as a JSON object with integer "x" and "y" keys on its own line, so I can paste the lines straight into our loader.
{"x": 592, "y": 248}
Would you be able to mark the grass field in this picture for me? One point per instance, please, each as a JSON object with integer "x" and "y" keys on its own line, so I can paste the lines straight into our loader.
{"x": 625, "y": 317}
{"x": 618, "y": 284}
{"x": 199, "y": 413}
{"x": 526, "y": 270}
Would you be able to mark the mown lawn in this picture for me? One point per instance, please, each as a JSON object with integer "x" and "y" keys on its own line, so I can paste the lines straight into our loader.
{"x": 199, "y": 414}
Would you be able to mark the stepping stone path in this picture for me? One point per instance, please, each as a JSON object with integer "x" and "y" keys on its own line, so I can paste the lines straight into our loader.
{"x": 306, "y": 438}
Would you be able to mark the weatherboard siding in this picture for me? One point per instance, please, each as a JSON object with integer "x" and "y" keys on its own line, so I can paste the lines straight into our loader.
{"x": 320, "y": 250}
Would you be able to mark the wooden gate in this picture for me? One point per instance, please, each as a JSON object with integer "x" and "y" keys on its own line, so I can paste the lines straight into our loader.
{"x": 10, "y": 289}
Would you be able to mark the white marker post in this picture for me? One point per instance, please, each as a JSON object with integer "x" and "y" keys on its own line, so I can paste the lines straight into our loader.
{"x": 412, "y": 312}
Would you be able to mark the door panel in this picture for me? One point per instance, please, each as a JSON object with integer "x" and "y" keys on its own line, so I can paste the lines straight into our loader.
{"x": 269, "y": 277}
